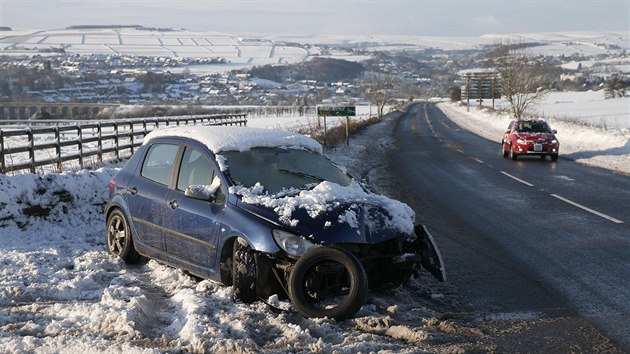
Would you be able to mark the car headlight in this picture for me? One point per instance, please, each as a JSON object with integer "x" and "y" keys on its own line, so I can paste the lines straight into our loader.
{"x": 521, "y": 141}
{"x": 554, "y": 141}
{"x": 292, "y": 244}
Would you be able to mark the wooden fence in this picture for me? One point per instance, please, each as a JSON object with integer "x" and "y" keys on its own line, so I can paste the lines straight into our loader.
{"x": 32, "y": 148}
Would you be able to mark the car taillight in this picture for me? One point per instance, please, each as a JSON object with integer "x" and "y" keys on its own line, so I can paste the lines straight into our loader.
{"x": 112, "y": 184}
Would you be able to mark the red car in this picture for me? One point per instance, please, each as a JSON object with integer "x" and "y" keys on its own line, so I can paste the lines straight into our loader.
{"x": 530, "y": 137}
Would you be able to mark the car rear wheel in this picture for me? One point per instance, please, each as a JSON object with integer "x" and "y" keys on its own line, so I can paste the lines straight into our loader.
{"x": 119, "y": 239}
{"x": 328, "y": 282}
{"x": 244, "y": 272}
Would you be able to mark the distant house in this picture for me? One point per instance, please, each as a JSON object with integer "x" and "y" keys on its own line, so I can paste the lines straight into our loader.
{"x": 570, "y": 77}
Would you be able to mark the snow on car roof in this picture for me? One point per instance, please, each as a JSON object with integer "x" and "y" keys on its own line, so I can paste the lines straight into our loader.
{"x": 237, "y": 138}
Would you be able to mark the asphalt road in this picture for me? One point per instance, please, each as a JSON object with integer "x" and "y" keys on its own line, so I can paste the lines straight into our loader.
{"x": 521, "y": 239}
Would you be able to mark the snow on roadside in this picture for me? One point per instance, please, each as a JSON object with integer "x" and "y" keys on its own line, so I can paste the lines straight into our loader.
{"x": 605, "y": 148}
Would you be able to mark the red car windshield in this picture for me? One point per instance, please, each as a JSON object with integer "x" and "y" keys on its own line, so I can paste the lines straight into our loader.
{"x": 532, "y": 127}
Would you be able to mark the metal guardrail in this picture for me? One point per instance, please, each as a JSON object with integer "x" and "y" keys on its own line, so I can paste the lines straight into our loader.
{"x": 82, "y": 141}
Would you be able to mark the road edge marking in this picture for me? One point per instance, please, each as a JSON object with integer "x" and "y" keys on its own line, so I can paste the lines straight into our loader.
{"x": 617, "y": 221}
{"x": 517, "y": 179}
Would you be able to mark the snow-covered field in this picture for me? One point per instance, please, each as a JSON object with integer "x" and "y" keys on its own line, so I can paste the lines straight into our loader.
{"x": 247, "y": 50}
{"x": 590, "y": 107}
{"x": 131, "y": 41}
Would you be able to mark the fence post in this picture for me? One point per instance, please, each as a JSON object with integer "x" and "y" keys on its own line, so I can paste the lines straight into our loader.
{"x": 132, "y": 139}
{"x": 325, "y": 131}
{"x": 116, "y": 141}
{"x": 58, "y": 149}
{"x": 347, "y": 131}
{"x": 80, "y": 144}
{"x": 99, "y": 129}
{"x": 2, "y": 160}
{"x": 31, "y": 148}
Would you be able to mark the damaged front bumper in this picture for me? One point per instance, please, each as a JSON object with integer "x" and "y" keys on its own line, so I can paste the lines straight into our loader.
{"x": 430, "y": 257}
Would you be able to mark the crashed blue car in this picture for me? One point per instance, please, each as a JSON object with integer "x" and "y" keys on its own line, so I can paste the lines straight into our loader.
{"x": 265, "y": 212}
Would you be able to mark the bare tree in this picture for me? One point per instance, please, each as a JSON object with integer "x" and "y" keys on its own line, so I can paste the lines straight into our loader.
{"x": 615, "y": 88}
{"x": 522, "y": 77}
{"x": 378, "y": 91}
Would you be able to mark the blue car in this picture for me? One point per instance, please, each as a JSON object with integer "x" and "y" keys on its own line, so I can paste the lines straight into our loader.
{"x": 265, "y": 212}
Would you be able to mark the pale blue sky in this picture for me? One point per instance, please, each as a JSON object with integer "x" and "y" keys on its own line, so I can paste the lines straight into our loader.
{"x": 410, "y": 17}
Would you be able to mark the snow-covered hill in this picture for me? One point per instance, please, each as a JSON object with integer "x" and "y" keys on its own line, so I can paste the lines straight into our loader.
{"x": 278, "y": 49}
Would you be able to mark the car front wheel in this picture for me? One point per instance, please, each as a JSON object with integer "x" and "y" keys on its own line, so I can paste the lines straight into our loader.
{"x": 244, "y": 272}
{"x": 554, "y": 157}
{"x": 513, "y": 154}
{"x": 328, "y": 282}
{"x": 503, "y": 151}
{"x": 119, "y": 239}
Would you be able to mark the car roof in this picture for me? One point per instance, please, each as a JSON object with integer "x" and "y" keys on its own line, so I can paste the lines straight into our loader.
{"x": 236, "y": 138}
{"x": 531, "y": 120}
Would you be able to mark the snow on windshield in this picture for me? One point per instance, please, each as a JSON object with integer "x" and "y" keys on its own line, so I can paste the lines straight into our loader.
{"x": 319, "y": 199}
{"x": 233, "y": 138}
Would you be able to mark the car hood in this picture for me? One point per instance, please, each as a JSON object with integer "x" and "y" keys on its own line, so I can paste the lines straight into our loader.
{"x": 330, "y": 214}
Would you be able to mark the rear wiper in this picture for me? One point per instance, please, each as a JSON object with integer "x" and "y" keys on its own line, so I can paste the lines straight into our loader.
{"x": 302, "y": 174}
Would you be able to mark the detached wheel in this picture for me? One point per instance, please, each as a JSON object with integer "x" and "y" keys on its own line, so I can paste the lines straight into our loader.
{"x": 328, "y": 282}
{"x": 243, "y": 272}
{"x": 119, "y": 239}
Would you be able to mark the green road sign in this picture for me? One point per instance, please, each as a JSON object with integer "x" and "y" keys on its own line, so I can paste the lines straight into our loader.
{"x": 347, "y": 111}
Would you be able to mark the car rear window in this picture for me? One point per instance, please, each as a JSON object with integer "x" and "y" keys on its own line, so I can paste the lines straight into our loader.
{"x": 158, "y": 164}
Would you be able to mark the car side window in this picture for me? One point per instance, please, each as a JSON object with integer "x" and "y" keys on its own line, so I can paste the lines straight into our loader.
{"x": 511, "y": 125}
{"x": 195, "y": 170}
{"x": 158, "y": 163}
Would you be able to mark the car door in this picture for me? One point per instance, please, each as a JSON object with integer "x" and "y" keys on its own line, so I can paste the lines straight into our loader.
{"x": 508, "y": 132}
{"x": 192, "y": 225}
{"x": 147, "y": 192}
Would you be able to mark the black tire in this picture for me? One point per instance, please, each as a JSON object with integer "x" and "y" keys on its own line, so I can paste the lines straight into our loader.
{"x": 554, "y": 157}
{"x": 344, "y": 272}
{"x": 244, "y": 272}
{"x": 119, "y": 238}
{"x": 513, "y": 155}
{"x": 503, "y": 151}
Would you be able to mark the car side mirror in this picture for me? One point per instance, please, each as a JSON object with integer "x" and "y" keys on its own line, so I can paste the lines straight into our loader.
{"x": 201, "y": 192}
{"x": 554, "y": 131}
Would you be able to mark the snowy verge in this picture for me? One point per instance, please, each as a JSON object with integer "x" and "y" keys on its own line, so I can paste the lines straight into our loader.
{"x": 604, "y": 148}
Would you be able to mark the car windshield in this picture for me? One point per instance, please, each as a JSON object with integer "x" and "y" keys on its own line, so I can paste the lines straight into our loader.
{"x": 532, "y": 127}
{"x": 279, "y": 169}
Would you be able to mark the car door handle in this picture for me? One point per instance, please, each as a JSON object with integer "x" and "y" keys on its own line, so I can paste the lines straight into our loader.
{"x": 132, "y": 190}
{"x": 173, "y": 204}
